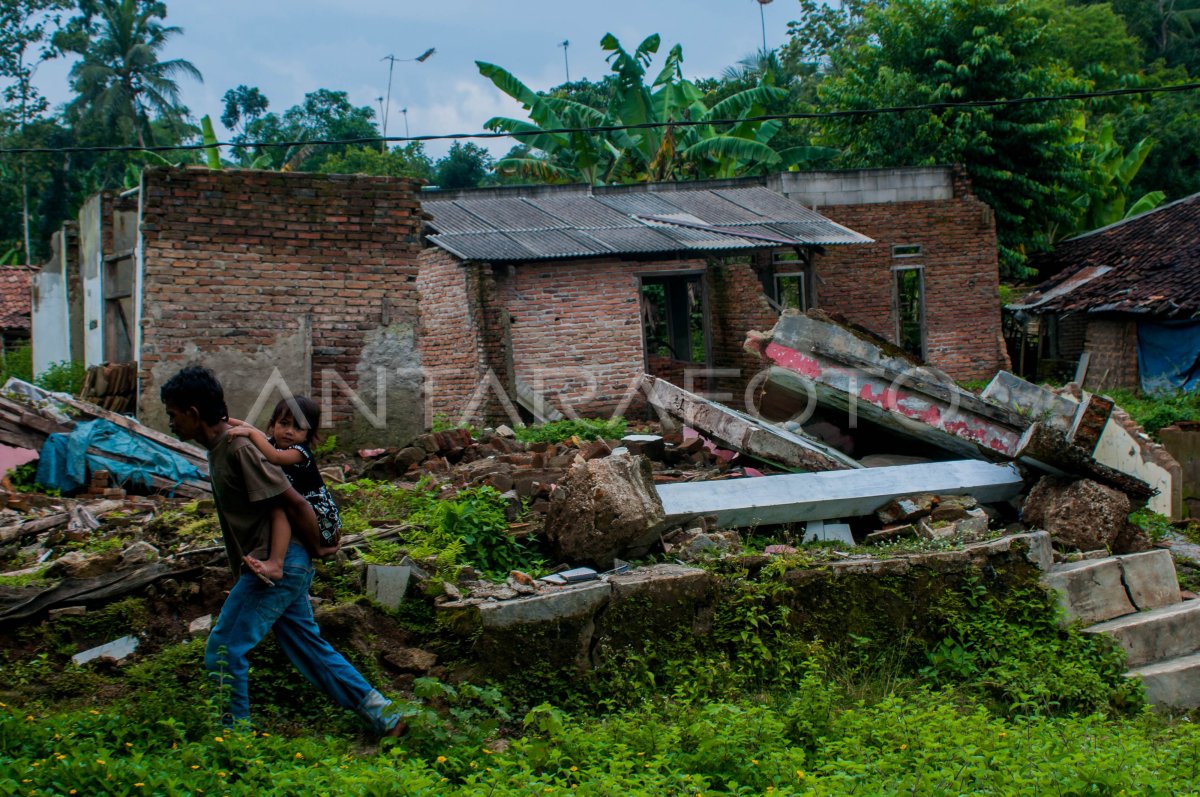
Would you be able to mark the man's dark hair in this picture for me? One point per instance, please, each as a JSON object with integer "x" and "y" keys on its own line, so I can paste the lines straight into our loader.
{"x": 197, "y": 387}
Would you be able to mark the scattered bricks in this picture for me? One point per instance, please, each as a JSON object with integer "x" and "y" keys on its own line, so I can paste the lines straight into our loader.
{"x": 953, "y": 507}
{"x": 597, "y": 449}
{"x": 540, "y": 447}
{"x": 904, "y": 510}
{"x": 502, "y": 482}
{"x": 649, "y": 445}
{"x": 114, "y": 492}
{"x": 505, "y": 431}
{"x": 407, "y": 457}
{"x": 426, "y": 443}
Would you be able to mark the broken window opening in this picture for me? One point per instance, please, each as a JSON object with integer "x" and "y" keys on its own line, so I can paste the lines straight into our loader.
{"x": 789, "y": 287}
{"x": 909, "y": 297}
{"x": 673, "y": 318}
{"x": 790, "y": 291}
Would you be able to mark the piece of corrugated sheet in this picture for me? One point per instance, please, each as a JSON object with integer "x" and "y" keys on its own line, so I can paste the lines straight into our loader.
{"x": 582, "y": 211}
{"x": 712, "y": 208}
{"x": 451, "y": 217}
{"x": 510, "y": 214}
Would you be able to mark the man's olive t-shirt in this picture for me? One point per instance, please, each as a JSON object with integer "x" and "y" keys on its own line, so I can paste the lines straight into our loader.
{"x": 242, "y": 480}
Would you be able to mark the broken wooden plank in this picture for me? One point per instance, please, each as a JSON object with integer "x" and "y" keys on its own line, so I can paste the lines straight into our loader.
{"x": 28, "y": 528}
{"x": 194, "y": 454}
{"x": 91, "y": 591}
{"x": 798, "y": 497}
{"x": 744, "y": 433}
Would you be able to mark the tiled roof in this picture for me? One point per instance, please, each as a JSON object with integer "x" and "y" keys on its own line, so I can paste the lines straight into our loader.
{"x": 567, "y": 225}
{"x": 1149, "y": 264}
{"x": 14, "y": 297}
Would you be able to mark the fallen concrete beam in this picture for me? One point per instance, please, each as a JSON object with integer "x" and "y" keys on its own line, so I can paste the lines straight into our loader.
{"x": 812, "y": 357}
{"x": 1081, "y": 421}
{"x": 744, "y": 433}
{"x": 798, "y": 497}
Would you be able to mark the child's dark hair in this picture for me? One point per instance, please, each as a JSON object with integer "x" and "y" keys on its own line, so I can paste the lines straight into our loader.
{"x": 301, "y": 409}
{"x": 197, "y": 387}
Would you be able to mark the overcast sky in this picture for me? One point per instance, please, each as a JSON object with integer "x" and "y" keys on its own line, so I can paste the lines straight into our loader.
{"x": 290, "y": 48}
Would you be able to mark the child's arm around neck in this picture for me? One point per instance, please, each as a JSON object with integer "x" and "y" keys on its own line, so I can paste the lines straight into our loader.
{"x": 275, "y": 456}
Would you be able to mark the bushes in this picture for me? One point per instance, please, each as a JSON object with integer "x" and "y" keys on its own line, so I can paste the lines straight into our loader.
{"x": 1153, "y": 412}
{"x": 60, "y": 377}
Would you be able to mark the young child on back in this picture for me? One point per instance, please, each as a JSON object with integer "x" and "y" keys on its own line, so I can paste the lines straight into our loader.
{"x": 288, "y": 443}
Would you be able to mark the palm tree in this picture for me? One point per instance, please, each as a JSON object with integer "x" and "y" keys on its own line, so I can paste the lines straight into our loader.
{"x": 120, "y": 81}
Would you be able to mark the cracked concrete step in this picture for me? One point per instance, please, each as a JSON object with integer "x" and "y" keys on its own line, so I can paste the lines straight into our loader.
{"x": 1090, "y": 591}
{"x": 1095, "y": 590}
{"x": 1174, "y": 683}
{"x": 1155, "y": 635}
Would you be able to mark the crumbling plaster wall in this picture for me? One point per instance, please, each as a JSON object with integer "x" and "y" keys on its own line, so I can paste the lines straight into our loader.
{"x": 933, "y": 208}
{"x": 278, "y": 278}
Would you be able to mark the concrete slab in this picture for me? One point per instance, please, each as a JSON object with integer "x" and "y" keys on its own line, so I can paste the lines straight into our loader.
{"x": 1158, "y": 634}
{"x": 386, "y": 584}
{"x": 820, "y": 531}
{"x": 744, "y": 433}
{"x": 566, "y": 603}
{"x": 662, "y": 583}
{"x": 1091, "y": 591}
{"x": 1150, "y": 579}
{"x": 117, "y": 649}
{"x": 800, "y": 497}
{"x": 1174, "y": 683}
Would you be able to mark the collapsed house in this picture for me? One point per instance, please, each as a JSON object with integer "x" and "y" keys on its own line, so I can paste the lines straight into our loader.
{"x": 277, "y": 281}
{"x": 1119, "y": 310}
{"x": 565, "y": 295}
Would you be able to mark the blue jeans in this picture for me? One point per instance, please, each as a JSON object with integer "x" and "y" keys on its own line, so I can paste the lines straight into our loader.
{"x": 252, "y": 609}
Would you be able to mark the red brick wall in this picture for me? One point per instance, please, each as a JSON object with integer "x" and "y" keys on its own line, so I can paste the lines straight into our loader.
{"x": 452, "y": 348}
{"x": 962, "y": 308}
{"x": 235, "y": 259}
{"x": 738, "y": 306}
{"x": 1113, "y": 361}
{"x": 576, "y": 327}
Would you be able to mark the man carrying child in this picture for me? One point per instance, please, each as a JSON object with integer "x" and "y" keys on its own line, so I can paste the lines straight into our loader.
{"x": 246, "y": 489}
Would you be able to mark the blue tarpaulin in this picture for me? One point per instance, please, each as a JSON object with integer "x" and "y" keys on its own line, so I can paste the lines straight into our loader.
{"x": 1169, "y": 355}
{"x": 66, "y": 459}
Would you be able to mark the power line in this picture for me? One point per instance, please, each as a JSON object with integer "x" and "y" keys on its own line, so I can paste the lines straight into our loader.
{"x": 849, "y": 113}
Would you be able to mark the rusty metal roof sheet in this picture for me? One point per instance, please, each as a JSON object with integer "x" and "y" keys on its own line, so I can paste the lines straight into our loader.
{"x": 1149, "y": 264}
{"x": 583, "y": 225}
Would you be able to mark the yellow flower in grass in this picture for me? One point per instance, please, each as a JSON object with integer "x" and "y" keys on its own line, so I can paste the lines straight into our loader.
{"x": 138, "y": 785}
{"x": 299, "y": 755}
{"x": 441, "y": 759}
{"x": 218, "y": 739}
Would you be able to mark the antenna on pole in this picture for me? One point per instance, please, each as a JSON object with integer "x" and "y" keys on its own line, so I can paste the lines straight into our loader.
{"x": 391, "y": 59}
{"x": 566, "y": 64}
{"x": 387, "y": 105}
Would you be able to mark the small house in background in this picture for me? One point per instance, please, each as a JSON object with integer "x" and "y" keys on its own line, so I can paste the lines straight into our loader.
{"x": 15, "y": 324}
{"x": 568, "y": 293}
{"x": 1122, "y": 309}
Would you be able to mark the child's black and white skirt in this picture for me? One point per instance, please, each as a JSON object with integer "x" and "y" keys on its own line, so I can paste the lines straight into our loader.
{"x": 328, "y": 520}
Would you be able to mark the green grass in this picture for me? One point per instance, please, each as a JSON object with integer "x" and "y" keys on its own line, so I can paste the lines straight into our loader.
{"x": 583, "y": 428}
{"x": 1153, "y": 412}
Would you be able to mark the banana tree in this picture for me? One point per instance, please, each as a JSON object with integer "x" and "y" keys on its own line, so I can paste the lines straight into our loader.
{"x": 572, "y": 144}
{"x": 1110, "y": 174}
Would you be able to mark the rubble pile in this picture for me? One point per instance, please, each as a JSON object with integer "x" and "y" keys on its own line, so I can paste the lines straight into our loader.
{"x": 928, "y": 468}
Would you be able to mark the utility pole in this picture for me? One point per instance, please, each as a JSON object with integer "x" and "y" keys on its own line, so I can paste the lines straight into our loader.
{"x": 405, "y": 112}
{"x": 387, "y": 104}
{"x": 762, "y": 18}
{"x": 383, "y": 142}
{"x": 566, "y": 64}
{"x": 391, "y": 59}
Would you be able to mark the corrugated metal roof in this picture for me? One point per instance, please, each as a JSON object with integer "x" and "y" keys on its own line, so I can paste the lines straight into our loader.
{"x": 1149, "y": 264}
{"x": 582, "y": 225}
